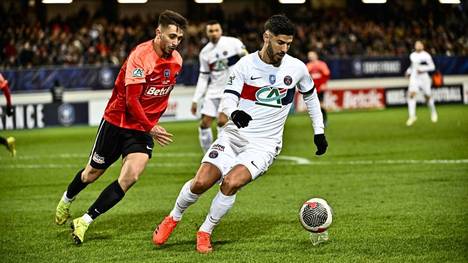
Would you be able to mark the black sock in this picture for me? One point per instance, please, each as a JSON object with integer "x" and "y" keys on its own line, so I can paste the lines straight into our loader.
{"x": 324, "y": 114}
{"x": 76, "y": 185}
{"x": 106, "y": 200}
{"x": 3, "y": 141}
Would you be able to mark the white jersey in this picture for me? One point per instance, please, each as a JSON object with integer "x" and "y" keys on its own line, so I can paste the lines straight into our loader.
{"x": 422, "y": 62}
{"x": 266, "y": 93}
{"x": 215, "y": 61}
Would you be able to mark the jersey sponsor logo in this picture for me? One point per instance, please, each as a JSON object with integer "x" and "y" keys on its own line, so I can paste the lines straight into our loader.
{"x": 254, "y": 78}
{"x": 159, "y": 91}
{"x": 287, "y": 80}
{"x": 213, "y": 154}
{"x": 137, "y": 73}
{"x": 219, "y": 65}
{"x": 98, "y": 159}
{"x": 270, "y": 96}
{"x": 272, "y": 79}
{"x": 218, "y": 147}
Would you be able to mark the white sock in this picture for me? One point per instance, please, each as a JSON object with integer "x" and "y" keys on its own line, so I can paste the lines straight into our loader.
{"x": 219, "y": 208}
{"x": 412, "y": 107}
{"x": 184, "y": 200}
{"x": 65, "y": 199}
{"x": 219, "y": 129}
{"x": 431, "y": 105}
{"x": 87, "y": 218}
{"x": 206, "y": 138}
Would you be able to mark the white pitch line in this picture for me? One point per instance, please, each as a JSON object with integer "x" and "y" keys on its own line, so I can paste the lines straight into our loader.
{"x": 85, "y": 156}
{"x": 62, "y": 166}
{"x": 296, "y": 161}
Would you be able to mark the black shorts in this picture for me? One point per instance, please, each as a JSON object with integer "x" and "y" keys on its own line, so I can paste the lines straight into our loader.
{"x": 112, "y": 142}
{"x": 320, "y": 96}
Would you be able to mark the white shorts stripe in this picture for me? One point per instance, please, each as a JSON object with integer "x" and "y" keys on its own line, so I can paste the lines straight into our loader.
{"x": 95, "y": 141}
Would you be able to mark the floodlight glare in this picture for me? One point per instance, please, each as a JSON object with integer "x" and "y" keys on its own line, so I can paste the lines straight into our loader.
{"x": 132, "y": 1}
{"x": 374, "y": 1}
{"x": 208, "y": 1}
{"x": 57, "y": 1}
{"x": 292, "y": 1}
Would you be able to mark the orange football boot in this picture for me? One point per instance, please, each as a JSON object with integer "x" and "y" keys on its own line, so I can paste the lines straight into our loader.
{"x": 204, "y": 242}
{"x": 162, "y": 233}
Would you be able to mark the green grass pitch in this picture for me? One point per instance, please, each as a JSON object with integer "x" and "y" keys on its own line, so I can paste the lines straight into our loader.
{"x": 400, "y": 194}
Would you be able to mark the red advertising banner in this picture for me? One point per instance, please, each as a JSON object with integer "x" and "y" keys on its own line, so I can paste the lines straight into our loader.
{"x": 336, "y": 100}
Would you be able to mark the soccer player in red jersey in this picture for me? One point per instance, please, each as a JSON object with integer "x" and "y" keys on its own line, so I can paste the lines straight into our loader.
{"x": 130, "y": 121}
{"x": 10, "y": 141}
{"x": 320, "y": 74}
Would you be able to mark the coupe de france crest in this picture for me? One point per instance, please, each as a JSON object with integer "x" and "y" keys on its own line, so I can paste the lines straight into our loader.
{"x": 272, "y": 79}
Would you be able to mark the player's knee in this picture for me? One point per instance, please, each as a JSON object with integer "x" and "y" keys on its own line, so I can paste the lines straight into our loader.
{"x": 205, "y": 124}
{"x": 90, "y": 175}
{"x": 132, "y": 174}
{"x": 221, "y": 122}
{"x": 199, "y": 185}
{"x": 128, "y": 180}
{"x": 230, "y": 185}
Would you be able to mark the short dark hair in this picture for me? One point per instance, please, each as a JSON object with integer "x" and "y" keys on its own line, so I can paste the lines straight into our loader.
{"x": 212, "y": 22}
{"x": 280, "y": 25}
{"x": 169, "y": 17}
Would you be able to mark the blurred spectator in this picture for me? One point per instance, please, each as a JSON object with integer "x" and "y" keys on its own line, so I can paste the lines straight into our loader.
{"x": 84, "y": 39}
{"x": 57, "y": 92}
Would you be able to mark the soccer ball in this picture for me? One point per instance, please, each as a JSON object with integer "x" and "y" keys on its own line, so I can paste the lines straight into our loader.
{"x": 316, "y": 215}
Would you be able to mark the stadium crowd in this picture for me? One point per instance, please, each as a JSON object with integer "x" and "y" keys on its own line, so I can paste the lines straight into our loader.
{"x": 94, "y": 39}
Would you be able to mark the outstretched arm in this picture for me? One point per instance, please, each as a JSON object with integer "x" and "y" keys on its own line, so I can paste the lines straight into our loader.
{"x": 313, "y": 106}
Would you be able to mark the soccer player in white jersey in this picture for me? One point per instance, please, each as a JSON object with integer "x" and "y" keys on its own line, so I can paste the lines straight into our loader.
{"x": 419, "y": 80}
{"x": 215, "y": 60}
{"x": 258, "y": 97}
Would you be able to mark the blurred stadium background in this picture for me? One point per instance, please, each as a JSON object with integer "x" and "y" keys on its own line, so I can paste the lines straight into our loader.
{"x": 81, "y": 45}
{"x": 399, "y": 193}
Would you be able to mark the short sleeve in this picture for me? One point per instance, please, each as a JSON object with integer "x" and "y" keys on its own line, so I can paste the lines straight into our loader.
{"x": 135, "y": 71}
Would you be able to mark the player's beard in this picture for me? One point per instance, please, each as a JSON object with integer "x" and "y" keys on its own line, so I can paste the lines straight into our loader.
{"x": 275, "y": 58}
{"x": 168, "y": 51}
{"x": 214, "y": 40}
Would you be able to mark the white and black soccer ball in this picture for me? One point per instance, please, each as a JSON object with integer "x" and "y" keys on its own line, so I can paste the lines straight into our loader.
{"x": 316, "y": 215}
